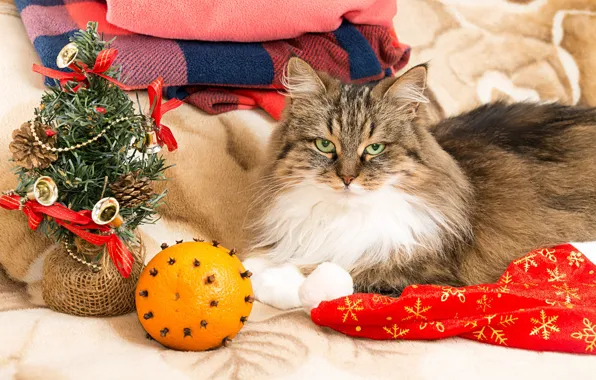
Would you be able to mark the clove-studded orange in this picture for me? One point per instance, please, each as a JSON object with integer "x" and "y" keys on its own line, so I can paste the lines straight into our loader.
{"x": 194, "y": 296}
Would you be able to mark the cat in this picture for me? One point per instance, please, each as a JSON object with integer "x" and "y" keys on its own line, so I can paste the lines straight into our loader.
{"x": 356, "y": 177}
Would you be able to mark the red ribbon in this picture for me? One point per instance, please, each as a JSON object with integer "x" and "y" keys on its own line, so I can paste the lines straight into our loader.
{"x": 164, "y": 134}
{"x": 36, "y": 211}
{"x": 117, "y": 250}
{"x": 103, "y": 62}
{"x": 77, "y": 223}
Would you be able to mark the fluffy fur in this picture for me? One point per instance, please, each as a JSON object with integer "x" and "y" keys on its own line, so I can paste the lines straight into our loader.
{"x": 451, "y": 203}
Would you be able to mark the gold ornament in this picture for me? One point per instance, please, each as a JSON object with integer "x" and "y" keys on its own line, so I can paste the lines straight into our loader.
{"x": 131, "y": 190}
{"x": 44, "y": 191}
{"x": 27, "y": 146}
{"x": 151, "y": 144}
{"x": 107, "y": 211}
{"x": 67, "y": 55}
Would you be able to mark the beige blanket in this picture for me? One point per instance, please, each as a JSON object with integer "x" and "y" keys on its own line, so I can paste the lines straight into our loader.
{"x": 478, "y": 50}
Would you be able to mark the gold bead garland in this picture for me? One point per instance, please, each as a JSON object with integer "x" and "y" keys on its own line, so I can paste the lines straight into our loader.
{"x": 93, "y": 266}
{"x": 78, "y": 146}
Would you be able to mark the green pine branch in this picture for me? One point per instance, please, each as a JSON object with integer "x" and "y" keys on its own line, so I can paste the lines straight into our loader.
{"x": 81, "y": 174}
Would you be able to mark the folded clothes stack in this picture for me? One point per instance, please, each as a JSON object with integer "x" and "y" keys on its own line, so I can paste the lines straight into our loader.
{"x": 230, "y": 54}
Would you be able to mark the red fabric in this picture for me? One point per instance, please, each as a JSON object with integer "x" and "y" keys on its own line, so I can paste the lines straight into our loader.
{"x": 164, "y": 134}
{"x": 272, "y": 101}
{"x": 217, "y": 100}
{"x": 545, "y": 301}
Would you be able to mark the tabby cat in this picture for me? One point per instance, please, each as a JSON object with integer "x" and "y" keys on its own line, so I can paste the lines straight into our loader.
{"x": 356, "y": 177}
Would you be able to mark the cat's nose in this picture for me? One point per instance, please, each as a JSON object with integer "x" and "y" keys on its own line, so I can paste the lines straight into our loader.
{"x": 347, "y": 179}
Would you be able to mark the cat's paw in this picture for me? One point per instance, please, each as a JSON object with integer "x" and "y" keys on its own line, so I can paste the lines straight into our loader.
{"x": 277, "y": 286}
{"x": 327, "y": 282}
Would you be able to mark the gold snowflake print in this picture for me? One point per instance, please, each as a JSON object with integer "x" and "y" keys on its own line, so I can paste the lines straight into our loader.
{"x": 438, "y": 325}
{"x": 548, "y": 253}
{"x": 484, "y": 303}
{"x": 507, "y": 320}
{"x": 528, "y": 284}
{"x": 554, "y": 275}
{"x": 588, "y": 335}
{"x": 474, "y": 324}
{"x": 377, "y": 298}
{"x": 545, "y": 325}
{"x": 417, "y": 311}
{"x": 567, "y": 293}
{"x": 350, "y": 308}
{"x": 497, "y": 336}
{"x": 449, "y": 291}
{"x": 395, "y": 331}
{"x": 489, "y": 318}
{"x": 575, "y": 258}
{"x": 506, "y": 279}
{"x": 528, "y": 261}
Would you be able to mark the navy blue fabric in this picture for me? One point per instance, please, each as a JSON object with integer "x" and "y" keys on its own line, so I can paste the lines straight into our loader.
{"x": 22, "y": 4}
{"x": 176, "y": 92}
{"x": 48, "y": 47}
{"x": 230, "y": 63}
{"x": 363, "y": 61}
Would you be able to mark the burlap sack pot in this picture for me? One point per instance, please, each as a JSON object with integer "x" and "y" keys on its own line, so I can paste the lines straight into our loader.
{"x": 74, "y": 288}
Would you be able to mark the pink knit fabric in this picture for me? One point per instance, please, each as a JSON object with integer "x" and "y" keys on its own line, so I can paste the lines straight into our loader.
{"x": 244, "y": 21}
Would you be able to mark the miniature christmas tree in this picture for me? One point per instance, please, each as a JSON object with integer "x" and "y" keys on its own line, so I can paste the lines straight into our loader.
{"x": 87, "y": 161}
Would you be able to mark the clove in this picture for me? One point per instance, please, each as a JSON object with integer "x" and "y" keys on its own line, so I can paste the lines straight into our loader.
{"x": 246, "y": 274}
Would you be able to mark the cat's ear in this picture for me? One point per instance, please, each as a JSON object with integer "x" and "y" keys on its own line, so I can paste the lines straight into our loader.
{"x": 407, "y": 91}
{"x": 301, "y": 80}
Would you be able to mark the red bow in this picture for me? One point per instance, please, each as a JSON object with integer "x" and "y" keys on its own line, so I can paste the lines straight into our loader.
{"x": 77, "y": 223}
{"x": 36, "y": 211}
{"x": 120, "y": 255}
{"x": 164, "y": 134}
{"x": 103, "y": 62}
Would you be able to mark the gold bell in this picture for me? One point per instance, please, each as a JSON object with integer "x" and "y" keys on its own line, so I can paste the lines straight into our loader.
{"x": 44, "y": 191}
{"x": 107, "y": 211}
{"x": 151, "y": 144}
{"x": 67, "y": 55}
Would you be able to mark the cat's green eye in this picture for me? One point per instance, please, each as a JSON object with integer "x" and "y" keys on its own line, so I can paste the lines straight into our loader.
{"x": 374, "y": 149}
{"x": 325, "y": 146}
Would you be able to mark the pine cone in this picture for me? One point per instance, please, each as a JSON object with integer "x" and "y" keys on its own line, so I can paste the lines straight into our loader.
{"x": 131, "y": 190}
{"x": 26, "y": 153}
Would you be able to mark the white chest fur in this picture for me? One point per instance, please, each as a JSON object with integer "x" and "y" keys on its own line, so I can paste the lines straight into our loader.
{"x": 312, "y": 224}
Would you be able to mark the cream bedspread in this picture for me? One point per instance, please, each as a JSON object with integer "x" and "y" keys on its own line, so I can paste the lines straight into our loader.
{"x": 478, "y": 51}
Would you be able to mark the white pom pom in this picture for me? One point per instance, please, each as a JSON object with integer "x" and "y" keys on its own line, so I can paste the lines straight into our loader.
{"x": 327, "y": 282}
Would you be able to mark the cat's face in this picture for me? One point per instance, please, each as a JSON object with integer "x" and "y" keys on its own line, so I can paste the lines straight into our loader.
{"x": 350, "y": 138}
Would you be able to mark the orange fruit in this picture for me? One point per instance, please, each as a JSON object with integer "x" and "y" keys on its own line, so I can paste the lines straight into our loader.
{"x": 194, "y": 296}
